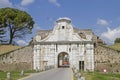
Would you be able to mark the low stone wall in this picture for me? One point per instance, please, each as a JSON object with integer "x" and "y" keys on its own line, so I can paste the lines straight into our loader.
{"x": 20, "y": 59}
{"x": 107, "y": 58}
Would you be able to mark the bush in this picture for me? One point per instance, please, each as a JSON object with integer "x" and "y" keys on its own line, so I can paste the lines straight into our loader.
{"x": 117, "y": 40}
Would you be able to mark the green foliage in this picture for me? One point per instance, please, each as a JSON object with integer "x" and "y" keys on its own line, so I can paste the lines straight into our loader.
{"x": 17, "y": 22}
{"x": 117, "y": 40}
{"x": 2, "y": 32}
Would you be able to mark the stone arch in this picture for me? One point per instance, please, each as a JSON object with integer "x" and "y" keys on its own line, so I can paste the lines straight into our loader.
{"x": 63, "y": 59}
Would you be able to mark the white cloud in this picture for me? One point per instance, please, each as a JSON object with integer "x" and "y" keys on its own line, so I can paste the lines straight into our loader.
{"x": 37, "y": 27}
{"x": 26, "y": 2}
{"x": 55, "y": 2}
{"x": 18, "y": 6}
{"x": 102, "y": 22}
{"x": 5, "y": 3}
{"x": 110, "y": 35}
{"x": 22, "y": 42}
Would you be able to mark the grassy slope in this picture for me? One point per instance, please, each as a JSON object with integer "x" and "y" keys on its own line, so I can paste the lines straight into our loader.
{"x": 101, "y": 76}
{"x": 7, "y": 48}
{"x": 115, "y": 46}
{"x": 15, "y": 74}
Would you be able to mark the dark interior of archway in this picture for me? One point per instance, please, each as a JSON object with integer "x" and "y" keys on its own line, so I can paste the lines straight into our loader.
{"x": 63, "y": 60}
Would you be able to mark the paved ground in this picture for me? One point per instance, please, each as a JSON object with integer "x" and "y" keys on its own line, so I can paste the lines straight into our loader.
{"x": 55, "y": 74}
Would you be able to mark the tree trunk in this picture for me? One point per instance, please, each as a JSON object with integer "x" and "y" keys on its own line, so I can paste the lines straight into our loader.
{"x": 11, "y": 39}
{"x": 11, "y": 35}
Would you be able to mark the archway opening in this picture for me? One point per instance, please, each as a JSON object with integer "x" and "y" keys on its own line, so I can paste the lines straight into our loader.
{"x": 63, "y": 60}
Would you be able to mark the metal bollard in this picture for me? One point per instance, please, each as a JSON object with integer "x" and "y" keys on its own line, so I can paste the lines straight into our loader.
{"x": 8, "y": 76}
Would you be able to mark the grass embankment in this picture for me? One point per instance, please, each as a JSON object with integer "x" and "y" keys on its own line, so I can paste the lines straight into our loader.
{"x": 14, "y": 74}
{"x": 8, "y": 48}
{"x": 100, "y": 76}
{"x": 115, "y": 46}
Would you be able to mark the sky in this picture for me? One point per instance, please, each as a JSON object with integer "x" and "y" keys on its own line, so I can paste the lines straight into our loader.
{"x": 102, "y": 16}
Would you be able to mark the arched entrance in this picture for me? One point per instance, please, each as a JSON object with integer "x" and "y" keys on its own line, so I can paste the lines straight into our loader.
{"x": 63, "y": 60}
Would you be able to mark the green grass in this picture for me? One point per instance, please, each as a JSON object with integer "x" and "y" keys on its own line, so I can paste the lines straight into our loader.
{"x": 15, "y": 74}
{"x": 115, "y": 46}
{"x": 75, "y": 78}
{"x": 101, "y": 76}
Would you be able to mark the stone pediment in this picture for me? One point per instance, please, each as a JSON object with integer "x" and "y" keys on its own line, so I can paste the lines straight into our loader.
{"x": 64, "y": 31}
{"x": 43, "y": 33}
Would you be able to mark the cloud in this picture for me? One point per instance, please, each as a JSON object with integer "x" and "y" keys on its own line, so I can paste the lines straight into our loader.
{"x": 18, "y": 6}
{"x": 55, "y": 2}
{"x": 5, "y": 3}
{"x": 110, "y": 35}
{"x": 26, "y": 2}
{"x": 37, "y": 27}
{"x": 22, "y": 42}
{"x": 102, "y": 22}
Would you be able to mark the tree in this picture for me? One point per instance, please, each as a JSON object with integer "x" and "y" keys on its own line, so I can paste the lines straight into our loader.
{"x": 117, "y": 40}
{"x": 16, "y": 21}
{"x": 2, "y": 32}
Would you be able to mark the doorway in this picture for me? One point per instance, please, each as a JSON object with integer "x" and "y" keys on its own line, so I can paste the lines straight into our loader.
{"x": 63, "y": 60}
{"x": 81, "y": 65}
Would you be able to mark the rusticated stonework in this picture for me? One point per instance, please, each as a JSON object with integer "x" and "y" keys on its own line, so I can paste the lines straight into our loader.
{"x": 107, "y": 58}
{"x": 64, "y": 46}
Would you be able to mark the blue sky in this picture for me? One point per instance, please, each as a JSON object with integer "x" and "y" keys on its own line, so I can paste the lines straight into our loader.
{"x": 102, "y": 16}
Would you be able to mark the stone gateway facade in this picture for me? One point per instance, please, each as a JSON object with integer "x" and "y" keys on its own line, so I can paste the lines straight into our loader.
{"x": 64, "y": 46}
